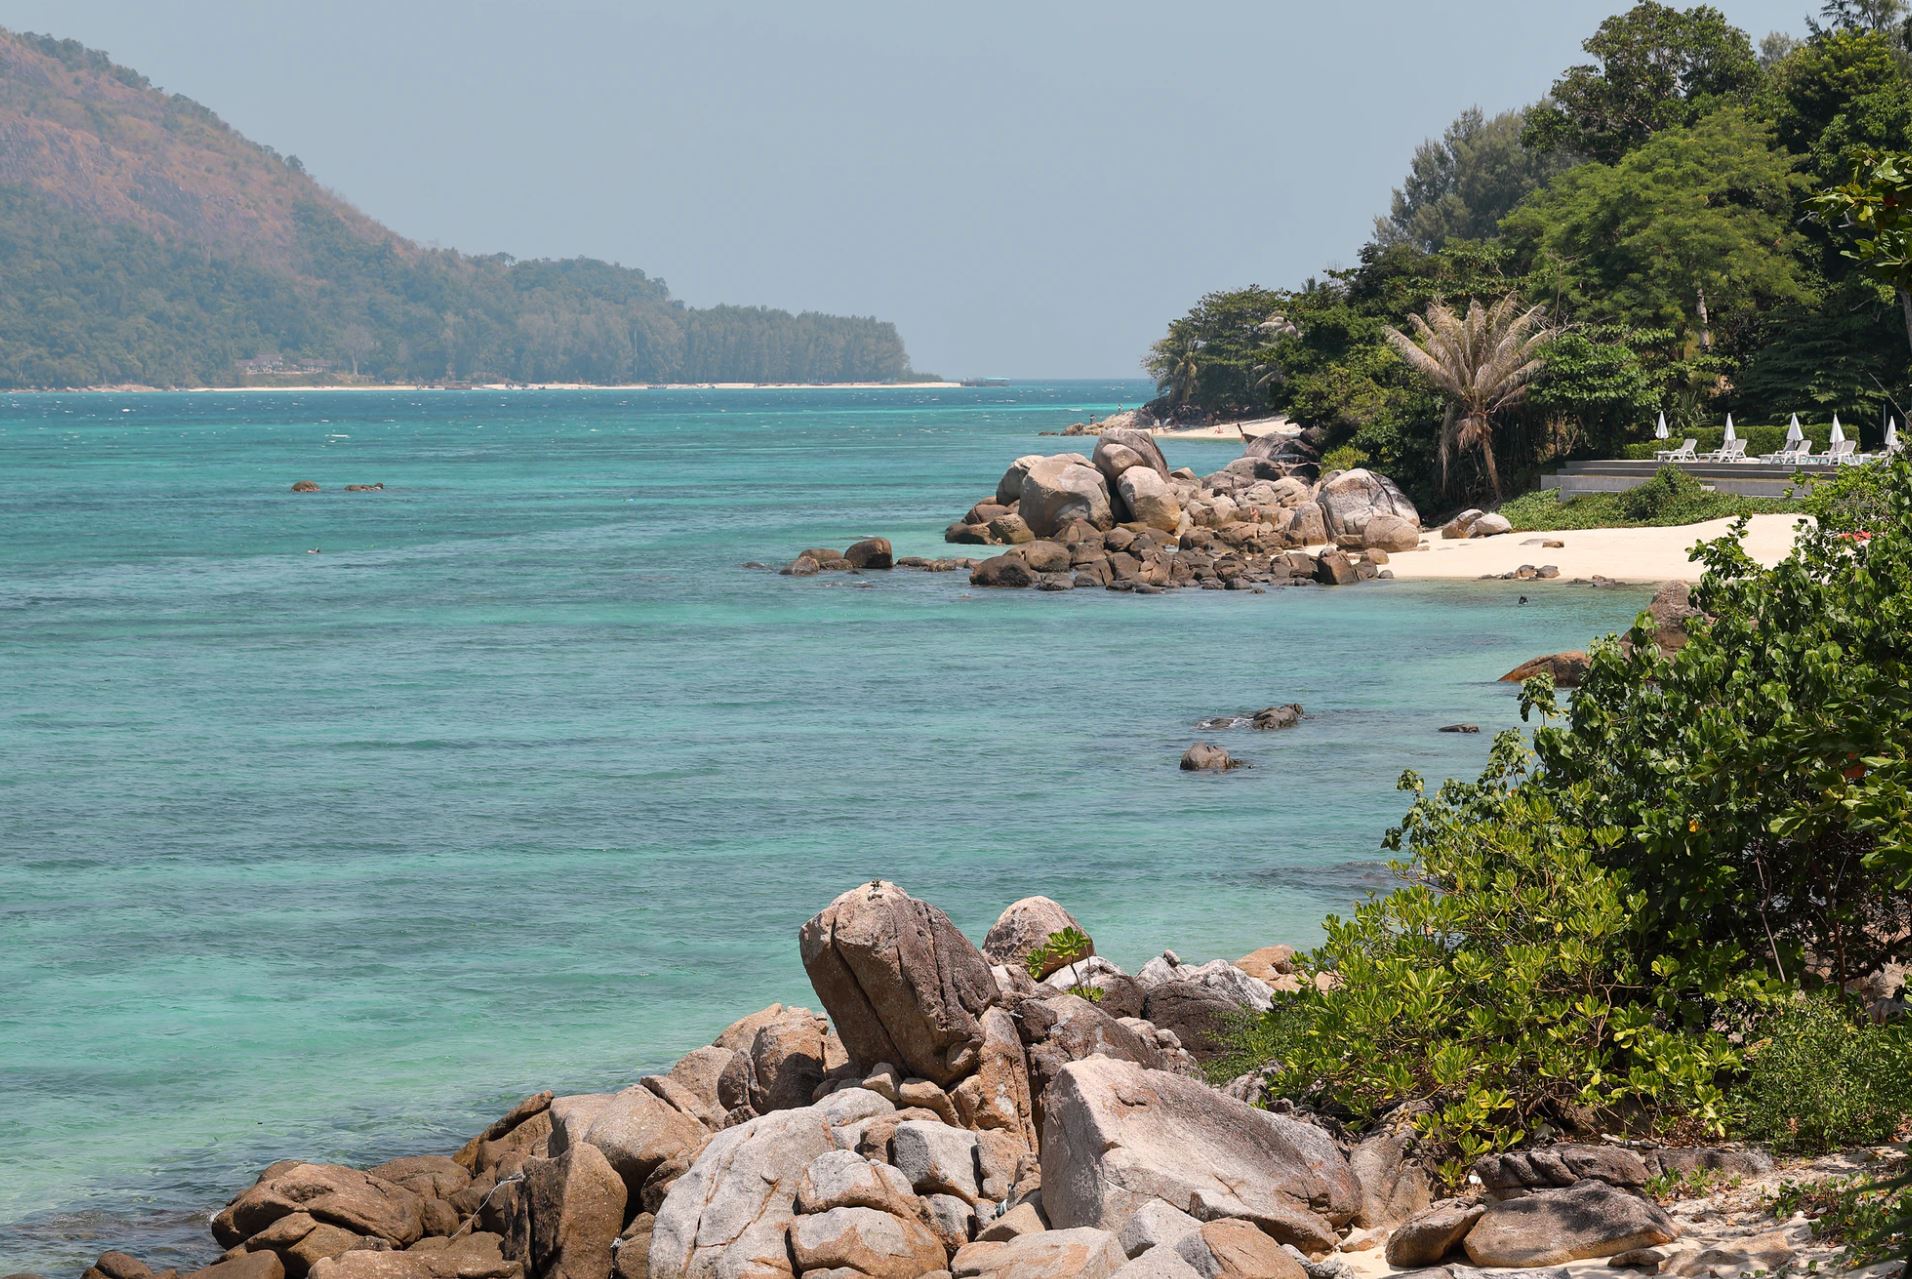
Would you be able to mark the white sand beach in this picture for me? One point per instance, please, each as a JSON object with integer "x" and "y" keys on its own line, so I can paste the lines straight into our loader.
{"x": 1247, "y": 429}
{"x": 1623, "y": 554}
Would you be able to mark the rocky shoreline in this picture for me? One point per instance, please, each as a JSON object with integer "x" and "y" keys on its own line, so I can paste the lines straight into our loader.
{"x": 1019, "y": 1110}
{"x": 1121, "y": 520}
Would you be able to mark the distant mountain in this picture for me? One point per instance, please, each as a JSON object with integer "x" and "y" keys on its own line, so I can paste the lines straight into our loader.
{"x": 143, "y": 240}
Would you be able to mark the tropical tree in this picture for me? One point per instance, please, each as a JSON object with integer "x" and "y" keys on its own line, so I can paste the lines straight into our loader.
{"x": 1460, "y": 185}
{"x": 1877, "y": 206}
{"x": 1175, "y": 363}
{"x": 1483, "y": 363}
{"x": 1657, "y": 68}
{"x": 1692, "y": 231}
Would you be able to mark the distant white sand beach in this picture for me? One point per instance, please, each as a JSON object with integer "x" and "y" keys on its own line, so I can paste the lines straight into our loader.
{"x": 1623, "y": 554}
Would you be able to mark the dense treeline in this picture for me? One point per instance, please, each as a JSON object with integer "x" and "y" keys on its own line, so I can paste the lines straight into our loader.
{"x": 88, "y": 303}
{"x": 184, "y": 254}
{"x": 1654, "y": 205}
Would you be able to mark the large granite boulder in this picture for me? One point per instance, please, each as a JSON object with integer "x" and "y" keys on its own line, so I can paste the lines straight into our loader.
{"x": 866, "y": 1243}
{"x": 1120, "y": 450}
{"x": 636, "y": 1131}
{"x": 330, "y": 1193}
{"x": 1148, "y": 499}
{"x": 1567, "y": 669}
{"x": 781, "y": 1056}
{"x": 730, "y": 1214}
{"x": 900, "y": 982}
{"x": 1432, "y": 1233}
{"x": 1352, "y": 498}
{"x": 1080, "y": 1253}
{"x": 477, "y": 1255}
{"x": 1668, "y": 614}
{"x": 1549, "y": 1227}
{"x": 1276, "y": 455}
{"x": 995, "y": 1096}
{"x": 1518, "y": 1172}
{"x": 1394, "y": 1184}
{"x": 1056, "y": 490}
{"x": 1231, "y": 1248}
{"x": 1117, "y": 1135}
{"x": 1022, "y": 929}
{"x": 1391, "y": 533}
{"x": 1009, "y": 487}
{"x": 568, "y": 1212}
{"x": 871, "y": 553}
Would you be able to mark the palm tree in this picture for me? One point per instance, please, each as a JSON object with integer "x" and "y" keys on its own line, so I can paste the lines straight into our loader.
{"x": 1174, "y": 362}
{"x": 1483, "y": 363}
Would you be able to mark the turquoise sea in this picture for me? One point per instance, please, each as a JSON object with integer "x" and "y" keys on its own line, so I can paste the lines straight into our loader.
{"x": 522, "y": 781}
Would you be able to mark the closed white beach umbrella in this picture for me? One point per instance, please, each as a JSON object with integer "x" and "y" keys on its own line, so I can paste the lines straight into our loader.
{"x": 1892, "y": 433}
{"x": 1730, "y": 433}
{"x": 1838, "y": 432}
{"x": 1659, "y": 431}
{"x": 1793, "y": 433}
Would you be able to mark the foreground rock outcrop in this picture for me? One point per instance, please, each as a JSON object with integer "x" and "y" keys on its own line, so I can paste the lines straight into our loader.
{"x": 949, "y": 1114}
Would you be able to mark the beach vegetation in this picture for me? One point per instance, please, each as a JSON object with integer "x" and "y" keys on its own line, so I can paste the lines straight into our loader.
{"x": 1710, "y": 229}
{"x": 1483, "y": 362}
{"x": 1612, "y": 925}
{"x": 1820, "y": 1077}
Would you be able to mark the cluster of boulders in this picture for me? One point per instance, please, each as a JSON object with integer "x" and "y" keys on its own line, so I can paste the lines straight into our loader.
{"x": 1474, "y": 522}
{"x": 871, "y": 553}
{"x": 1015, "y": 1111}
{"x": 1121, "y": 519}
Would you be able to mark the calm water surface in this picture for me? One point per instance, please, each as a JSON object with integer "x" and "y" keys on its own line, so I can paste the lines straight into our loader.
{"x": 523, "y": 781}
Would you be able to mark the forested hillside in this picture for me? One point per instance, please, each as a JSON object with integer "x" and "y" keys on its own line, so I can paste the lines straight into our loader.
{"x": 142, "y": 240}
{"x": 1657, "y": 208}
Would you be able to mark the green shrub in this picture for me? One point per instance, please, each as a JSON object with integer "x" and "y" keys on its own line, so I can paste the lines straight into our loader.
{"x": 1697, "y": 838}
{"x": 1670, "y": 491}
{"x": 1818, "y": 1080}
{"x": 1541, "y": 511}
{"x": 1854, "y": 499}
{"x": 1344, "y": 458}
{"x": 1761, "y": 774}
{"x": 1499, "y": 991}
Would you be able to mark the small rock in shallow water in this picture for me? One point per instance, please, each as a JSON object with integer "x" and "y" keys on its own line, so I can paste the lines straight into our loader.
{"x": 1274, "y": 717}
{"x": 1460, "y": 728}
{"x": 1206, "y": 757}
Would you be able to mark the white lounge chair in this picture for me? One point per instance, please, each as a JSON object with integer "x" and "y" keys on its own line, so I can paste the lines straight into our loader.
{"x": 1684, "y": 453}
{"x": 1798, "y": 455}
{"x": 1731, "y": 451}
{"x": 1841, "y": 452}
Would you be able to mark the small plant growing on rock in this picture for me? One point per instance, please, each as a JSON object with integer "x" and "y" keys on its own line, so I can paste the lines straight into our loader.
{"x": 1068, "y": 946}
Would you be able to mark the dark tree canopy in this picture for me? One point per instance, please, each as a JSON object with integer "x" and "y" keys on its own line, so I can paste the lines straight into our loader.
{"x": 1656, "y": 68}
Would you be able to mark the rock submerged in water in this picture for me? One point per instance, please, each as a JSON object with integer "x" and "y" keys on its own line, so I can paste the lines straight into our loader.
{"x": 1206, "y": 757}
{"x": 304, "y": 486}
{"x": 1567, "y": 669}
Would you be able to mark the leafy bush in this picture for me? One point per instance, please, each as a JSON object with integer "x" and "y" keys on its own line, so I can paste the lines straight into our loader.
{"x": 1699, "y": 836}
{"x": 1543, "y": 511}
{"x": 1760, "y": 773}
{"x": 1818, "y": 1080}
{"x": 1344, "y": 458}
{"x": 1853, "y": 500}
{"x": 1499, "y": 990}
{"x": 1670, "y": 490}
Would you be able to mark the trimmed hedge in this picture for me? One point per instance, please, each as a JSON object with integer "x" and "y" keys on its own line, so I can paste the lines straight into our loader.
{"x": 1760, "y": 440}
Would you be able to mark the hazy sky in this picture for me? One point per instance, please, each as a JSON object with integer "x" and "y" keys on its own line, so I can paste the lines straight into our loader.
{"x": 1026, "y": 189}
